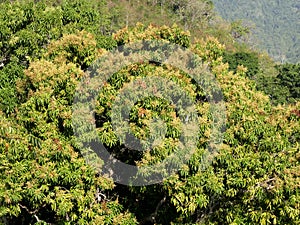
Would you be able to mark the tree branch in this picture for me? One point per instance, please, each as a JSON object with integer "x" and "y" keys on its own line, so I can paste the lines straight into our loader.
{"x": 31, "y": 212}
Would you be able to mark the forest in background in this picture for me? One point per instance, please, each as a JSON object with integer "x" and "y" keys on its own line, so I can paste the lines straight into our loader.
{"x": 46, "y": 46}
{"x": 274, "y": 23}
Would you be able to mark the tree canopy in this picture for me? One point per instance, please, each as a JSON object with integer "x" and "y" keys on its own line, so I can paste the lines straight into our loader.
{"x": 253, "y": 177}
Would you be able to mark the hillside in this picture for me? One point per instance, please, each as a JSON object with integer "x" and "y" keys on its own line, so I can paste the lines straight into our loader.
{"x": 276, "y": 25}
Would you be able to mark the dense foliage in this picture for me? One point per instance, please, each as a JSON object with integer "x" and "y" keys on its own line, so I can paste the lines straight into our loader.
{"x": 284, "y": 86}
{"x": 26, "y": 28}
{"x": 253, "y": 178}
{"x": 43, "y": 178}
{"x": 260, "y": 140}
{"x": 249, "y": 60}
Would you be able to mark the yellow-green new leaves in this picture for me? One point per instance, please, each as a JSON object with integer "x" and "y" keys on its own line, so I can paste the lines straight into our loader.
{"x": 140, "y": 32}
{"x": 253, "y": 179}
{"x": 43, "y": 178}
{"x": 78, "y": 48}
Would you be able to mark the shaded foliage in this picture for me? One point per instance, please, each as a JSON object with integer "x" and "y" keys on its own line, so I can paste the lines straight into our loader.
{"x": 248, "y": 60}
{"x": 283, "y": 88}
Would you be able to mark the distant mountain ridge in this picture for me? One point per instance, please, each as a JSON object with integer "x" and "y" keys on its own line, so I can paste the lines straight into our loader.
{"x": 277, "y": 24}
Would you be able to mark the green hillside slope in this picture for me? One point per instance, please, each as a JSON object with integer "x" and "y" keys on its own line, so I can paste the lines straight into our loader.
{"x": 277, "y": 24}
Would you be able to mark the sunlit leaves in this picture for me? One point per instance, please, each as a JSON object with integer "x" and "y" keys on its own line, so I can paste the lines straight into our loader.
{"x": 256, "y": 163}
